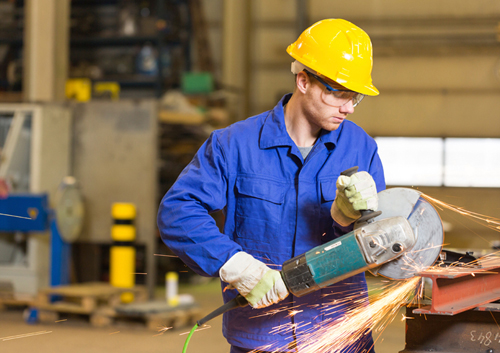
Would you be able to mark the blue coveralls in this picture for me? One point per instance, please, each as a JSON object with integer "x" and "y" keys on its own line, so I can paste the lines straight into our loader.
{"x": 276, "y": 206}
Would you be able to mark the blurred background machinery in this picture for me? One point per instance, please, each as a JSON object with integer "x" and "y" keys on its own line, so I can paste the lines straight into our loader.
{"x": 33, "y": 137}
{"x": 142, "y": 45}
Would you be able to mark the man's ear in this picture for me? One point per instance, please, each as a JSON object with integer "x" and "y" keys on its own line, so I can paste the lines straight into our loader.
{"x": 302, "y": 81}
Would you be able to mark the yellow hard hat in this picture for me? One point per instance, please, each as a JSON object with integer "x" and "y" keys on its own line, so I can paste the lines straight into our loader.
{"x": 339, "y": 50}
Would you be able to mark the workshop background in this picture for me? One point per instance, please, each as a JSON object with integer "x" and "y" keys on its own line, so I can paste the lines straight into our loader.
{"x": 103, "y": 103}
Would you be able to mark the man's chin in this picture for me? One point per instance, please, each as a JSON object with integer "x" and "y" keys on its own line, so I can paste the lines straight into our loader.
{"x": 332, "y": 126}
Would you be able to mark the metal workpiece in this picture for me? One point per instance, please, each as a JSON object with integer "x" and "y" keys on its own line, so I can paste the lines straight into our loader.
{"x": 472, "y": 331}
{"x": 458, "y": 289}
{"x": 426, "y": 225}
{"x": 464, "y": 319}
{"x": 385, "y": 240}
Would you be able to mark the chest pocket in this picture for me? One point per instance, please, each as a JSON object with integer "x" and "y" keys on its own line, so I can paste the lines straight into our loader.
{"x": 328, "y": 190}
{"x": 328, "y": 193}
{"x": 259, "y": 208}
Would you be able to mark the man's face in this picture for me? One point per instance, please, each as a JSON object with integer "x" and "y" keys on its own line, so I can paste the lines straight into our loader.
{"x": 322, "y": 108}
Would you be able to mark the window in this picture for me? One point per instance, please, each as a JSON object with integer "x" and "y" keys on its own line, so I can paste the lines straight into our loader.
{"x": 472, "y": 162}
{"x": 412, "y": 161}
{"x": 453, "y": 162}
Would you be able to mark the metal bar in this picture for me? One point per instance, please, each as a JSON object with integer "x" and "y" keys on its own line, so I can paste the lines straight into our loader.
{"x": 459, "y": 289}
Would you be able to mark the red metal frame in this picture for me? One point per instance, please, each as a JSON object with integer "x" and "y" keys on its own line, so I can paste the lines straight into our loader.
{"x": 455, "y": 290}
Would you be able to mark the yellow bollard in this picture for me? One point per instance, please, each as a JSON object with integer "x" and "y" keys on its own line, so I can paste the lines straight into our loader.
{"x": 122, "y": 253}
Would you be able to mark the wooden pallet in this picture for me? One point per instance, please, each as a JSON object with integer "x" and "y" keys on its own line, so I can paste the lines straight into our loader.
{"x": 174, "y": 319}
{"x": 161, "y": 316}
{"x": 85, "y": 298}
{"x": 7, "y": 301}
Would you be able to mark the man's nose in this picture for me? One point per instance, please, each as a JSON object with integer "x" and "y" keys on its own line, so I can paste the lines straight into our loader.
{"x": 347, "y": 108}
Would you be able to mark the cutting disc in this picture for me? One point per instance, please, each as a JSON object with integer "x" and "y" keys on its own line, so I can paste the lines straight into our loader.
{"x": 426, "y": 225}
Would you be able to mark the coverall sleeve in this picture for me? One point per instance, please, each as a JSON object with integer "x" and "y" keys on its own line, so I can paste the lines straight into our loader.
{"x": 376, "y": 170}
{"x": 184, "y": 218}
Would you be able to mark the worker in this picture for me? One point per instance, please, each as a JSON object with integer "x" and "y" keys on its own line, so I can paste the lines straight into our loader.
{"x": 277, "y": 178}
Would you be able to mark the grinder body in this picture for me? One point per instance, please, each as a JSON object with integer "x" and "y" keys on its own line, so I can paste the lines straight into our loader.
{"x": 362, "y": 249}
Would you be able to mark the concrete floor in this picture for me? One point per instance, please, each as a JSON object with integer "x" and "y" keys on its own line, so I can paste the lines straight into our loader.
{"x": 76, "y": 335}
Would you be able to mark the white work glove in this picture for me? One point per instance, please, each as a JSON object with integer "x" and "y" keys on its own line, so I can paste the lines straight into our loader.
{"x": 260, "y": 285}
{"x": 355, "y": 193}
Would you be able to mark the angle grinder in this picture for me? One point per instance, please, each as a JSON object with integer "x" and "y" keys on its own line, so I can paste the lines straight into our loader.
{"x": 401, "y": 239}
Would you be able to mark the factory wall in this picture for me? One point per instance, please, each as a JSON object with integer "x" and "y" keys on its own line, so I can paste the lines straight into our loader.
{"x": 114, "y": 159}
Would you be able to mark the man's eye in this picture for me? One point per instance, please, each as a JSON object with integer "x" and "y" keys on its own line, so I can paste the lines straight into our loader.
{"x": 342, "y": 94}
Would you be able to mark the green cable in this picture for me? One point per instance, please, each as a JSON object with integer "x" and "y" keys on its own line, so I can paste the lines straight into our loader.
{"x": 184, "y": 350}
{"x": 234, "y": 303}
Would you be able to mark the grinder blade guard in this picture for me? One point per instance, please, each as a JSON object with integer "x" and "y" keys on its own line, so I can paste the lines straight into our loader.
{"x": 427, "y": 227}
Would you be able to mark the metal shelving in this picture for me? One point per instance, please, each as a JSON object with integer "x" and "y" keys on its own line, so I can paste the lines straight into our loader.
{"x": 168, "y": 34}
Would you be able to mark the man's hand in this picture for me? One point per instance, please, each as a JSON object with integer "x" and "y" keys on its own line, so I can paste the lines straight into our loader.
{"x": 355, "y": 193}
{"x": 260, "y": 285}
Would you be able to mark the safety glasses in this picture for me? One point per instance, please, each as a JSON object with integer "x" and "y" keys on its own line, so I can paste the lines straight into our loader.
{"x": 341, "y": 96}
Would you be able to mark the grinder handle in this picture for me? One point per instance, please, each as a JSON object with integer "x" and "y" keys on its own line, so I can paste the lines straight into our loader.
{"x": 366, "y": 215}
{"x": 350, "y": 171}
{"x": 238, "y": 301}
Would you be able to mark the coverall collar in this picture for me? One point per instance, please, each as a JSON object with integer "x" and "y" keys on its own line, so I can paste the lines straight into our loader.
{"x": 274, "y": 132}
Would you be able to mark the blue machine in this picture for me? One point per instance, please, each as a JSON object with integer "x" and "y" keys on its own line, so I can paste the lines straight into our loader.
{"x": 31, "y": 213}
